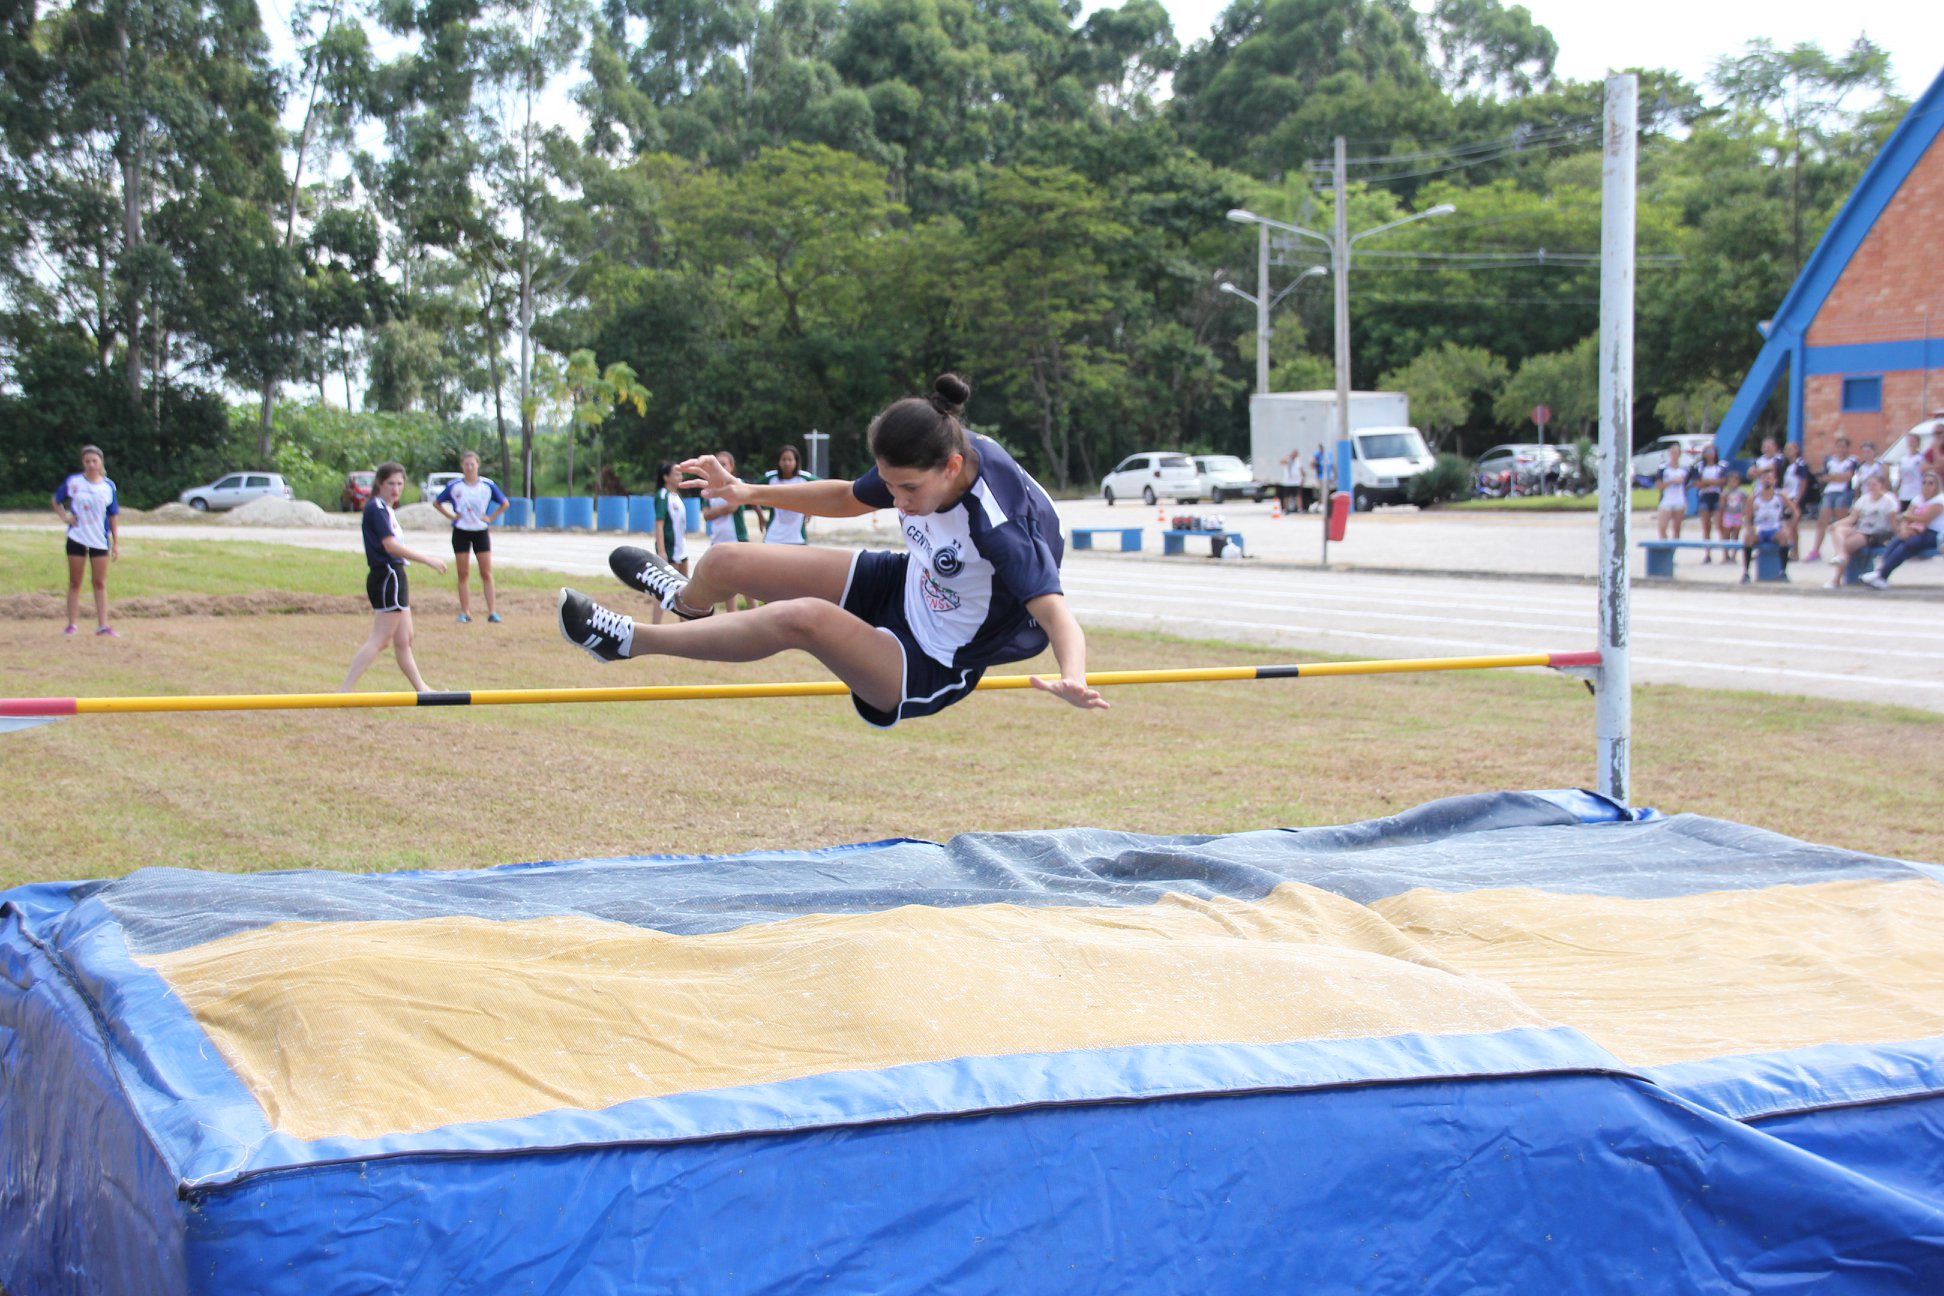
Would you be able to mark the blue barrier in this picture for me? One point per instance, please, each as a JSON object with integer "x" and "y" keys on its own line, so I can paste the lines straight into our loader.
{"x": 641, "y": 512}
{"x": 548, "y": 512}
{"x": 515, "y": 515}
{"x": 611, "y": 513}
{"x": 578, "y": 512}
{"x": 694, "y": 514}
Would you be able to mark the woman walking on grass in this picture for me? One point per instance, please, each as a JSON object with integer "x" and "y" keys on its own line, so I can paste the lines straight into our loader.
{"x": 910, "y": 633}
{"x": 385, "y": 584}
{"x": 88, "y": 504}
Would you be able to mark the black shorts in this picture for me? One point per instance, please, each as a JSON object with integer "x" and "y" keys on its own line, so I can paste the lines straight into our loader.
{"x": 1710, "y": 501}
{"x": 480, "y": 541}
{"x": 387, "y": 589}
{"x": 77, "y": 550}
{"x": 874, "y": 592}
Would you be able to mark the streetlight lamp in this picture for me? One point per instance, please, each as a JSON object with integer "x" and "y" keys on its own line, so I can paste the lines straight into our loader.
{"x": 1264, "y": 304}
{"x": 1338, "y": 245}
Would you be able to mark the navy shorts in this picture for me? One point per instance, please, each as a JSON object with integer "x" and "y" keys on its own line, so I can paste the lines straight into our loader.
{"x": 874, "y": 592}
{"x": 464, "y": 541}
{"x": 78, "y": 550}
{"x": 387, "y": 589}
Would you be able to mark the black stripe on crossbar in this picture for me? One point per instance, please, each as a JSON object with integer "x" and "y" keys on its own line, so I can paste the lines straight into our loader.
{"x": 1278, "y": 672}
{"x": 445, "y": 699}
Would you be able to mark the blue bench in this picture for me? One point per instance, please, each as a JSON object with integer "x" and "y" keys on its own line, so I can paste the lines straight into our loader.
{"x": 1660, "y": 556}
{"x": 1130, "y": 537}
{"x": 1863, "y": 560}
{"x": 1176, "y": 542}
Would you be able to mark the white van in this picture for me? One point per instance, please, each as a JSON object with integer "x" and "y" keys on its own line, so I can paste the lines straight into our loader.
{"x": 1383, "y": 461}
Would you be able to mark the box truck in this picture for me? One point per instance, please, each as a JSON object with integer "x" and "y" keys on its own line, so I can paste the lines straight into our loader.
{"x": 1386, "y": 451}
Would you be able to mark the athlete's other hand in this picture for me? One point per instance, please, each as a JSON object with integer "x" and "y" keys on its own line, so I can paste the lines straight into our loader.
{"x": 1076, "y": 691}
{"x": 438, "y": 565}
{"x": 717, "y": 482}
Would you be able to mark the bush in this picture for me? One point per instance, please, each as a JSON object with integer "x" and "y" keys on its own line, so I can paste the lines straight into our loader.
{"x": 314, "y": 446}
{"x": 1449, "y": 479}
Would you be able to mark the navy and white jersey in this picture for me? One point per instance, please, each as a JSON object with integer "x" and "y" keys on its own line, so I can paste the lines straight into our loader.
{"x": 92, "y": 504}
{"x": 472, "y": 503}
{"x": 785, "y": 526}
{"x": 975, "y": 566}
{"x": 379, "y": 522}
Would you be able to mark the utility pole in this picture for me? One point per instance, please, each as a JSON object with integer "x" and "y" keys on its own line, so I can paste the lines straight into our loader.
{"x": 1262, "y": 309}
{"x": 1613, "y": 705}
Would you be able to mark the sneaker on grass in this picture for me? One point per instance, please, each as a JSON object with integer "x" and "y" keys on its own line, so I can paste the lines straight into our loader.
{"x": 605, "y": 635}
{"x": 655, "y": 576}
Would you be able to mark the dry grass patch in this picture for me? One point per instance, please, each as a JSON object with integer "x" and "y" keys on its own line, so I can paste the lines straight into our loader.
{"x": 378, "y": 790}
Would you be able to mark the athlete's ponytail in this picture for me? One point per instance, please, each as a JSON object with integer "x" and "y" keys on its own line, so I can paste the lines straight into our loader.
{"x": 923, "y": 432}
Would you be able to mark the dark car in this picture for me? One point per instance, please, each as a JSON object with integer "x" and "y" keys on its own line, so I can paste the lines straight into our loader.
{"x": 356, "y": 493}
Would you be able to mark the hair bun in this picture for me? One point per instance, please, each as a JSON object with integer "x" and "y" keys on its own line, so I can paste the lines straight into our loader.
{"x": 949, "y": 394}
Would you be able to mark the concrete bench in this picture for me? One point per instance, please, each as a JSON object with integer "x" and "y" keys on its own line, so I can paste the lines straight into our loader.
{"x": 1660, "y": 556}
{"x": 1130, "y": 537}
{"x": 1175, "y": 542}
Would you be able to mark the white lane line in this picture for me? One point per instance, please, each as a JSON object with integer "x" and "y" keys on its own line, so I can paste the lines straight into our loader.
{"x": 1845, "y": 645}
{"x": 1850, "y": 625}
{"x": 1188, "y": 625}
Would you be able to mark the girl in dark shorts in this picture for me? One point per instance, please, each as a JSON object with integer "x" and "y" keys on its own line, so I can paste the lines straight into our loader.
{"x": 89, "y": 506}
{"x": 386, "y": 556}
{"x": 911, "y": 632}
{"x": 1712, "y": 475}
{"x": 472, "y": 504}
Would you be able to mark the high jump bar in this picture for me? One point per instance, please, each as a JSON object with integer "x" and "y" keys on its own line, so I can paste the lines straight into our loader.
{"x": 49, "y": 707}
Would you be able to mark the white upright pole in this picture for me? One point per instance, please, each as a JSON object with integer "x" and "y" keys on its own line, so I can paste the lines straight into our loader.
{"x": 1613, "y": 718}
{"x": 1262, "y": 308}
{"x": 1340, "y": 260}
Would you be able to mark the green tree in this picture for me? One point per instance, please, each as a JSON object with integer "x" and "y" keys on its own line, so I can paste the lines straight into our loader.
{"x": 1567, "y": 381}
{"x": 583, "y": 395}
{"x": 1447, "y": 385}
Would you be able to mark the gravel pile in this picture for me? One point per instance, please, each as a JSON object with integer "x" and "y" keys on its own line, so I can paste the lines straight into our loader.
{"x": 269, "y": 511}
{"x": 422, "y": 517}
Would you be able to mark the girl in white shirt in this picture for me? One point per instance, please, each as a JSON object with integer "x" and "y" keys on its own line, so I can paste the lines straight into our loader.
{"x": 90, "y": 507}
{"x": 1673, "y": 500}
{"x": 1872, "y": 521}
{"x": 1918, "y": 531}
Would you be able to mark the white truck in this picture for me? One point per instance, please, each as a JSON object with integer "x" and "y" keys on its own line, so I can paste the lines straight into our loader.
{"x": 1386, "y": 451}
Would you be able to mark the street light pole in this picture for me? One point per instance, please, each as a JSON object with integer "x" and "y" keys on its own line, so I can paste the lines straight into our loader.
{"x": 1262, "y": 309}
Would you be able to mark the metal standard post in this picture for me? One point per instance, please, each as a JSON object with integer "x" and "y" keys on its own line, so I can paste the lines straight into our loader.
{"x": 1613, "y": 716}
{"x": 1262, "y": 309}
{"x": 1340, "y": 261}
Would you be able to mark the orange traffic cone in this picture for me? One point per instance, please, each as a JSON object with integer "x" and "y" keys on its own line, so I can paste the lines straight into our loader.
{"x": 1161, "y": 515}
{"x": 1275, "y": 509}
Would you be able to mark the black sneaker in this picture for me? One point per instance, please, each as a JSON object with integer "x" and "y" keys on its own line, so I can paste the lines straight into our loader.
{"x": 653, "y": 575}
{"x": 605, "y": 635}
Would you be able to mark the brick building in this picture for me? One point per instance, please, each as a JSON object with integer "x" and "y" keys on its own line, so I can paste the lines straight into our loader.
{"x": 1860, "y": 336}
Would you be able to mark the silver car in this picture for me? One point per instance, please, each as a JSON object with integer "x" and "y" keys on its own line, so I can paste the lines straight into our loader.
{"x": 236, "y": 488}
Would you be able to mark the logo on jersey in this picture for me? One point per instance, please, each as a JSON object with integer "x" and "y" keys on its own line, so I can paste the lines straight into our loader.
{"x": 937, "y": 597}
{"x": 946, "y": 562}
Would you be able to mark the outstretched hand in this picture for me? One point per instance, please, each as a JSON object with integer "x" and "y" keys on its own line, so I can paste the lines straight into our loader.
{"x": 717, "y": 482}
{"x": 1076, "y": 691}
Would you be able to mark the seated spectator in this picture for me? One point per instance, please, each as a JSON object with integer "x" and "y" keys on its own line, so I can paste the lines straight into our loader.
{"x": 1917, "y": 531}
{"x": 1873, "y": 521}
{"x": 1734, "y": 506}
{"x": 1772, "y": 519}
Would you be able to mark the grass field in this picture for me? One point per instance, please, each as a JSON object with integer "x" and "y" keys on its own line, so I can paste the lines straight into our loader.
{"x": 1644, "y": 501}
{"x": 377, "y": 790}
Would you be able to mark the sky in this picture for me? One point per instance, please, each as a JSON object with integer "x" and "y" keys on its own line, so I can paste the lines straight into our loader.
{"x": 1687, "y": 35}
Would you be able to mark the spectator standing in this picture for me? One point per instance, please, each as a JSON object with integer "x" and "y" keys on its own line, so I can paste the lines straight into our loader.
{"x": 725, "y": 520}
{"x": 1712, "y": 474}
{"x": 671, "y": 522}
{"x": 1872, "y": 522}
{"x": 786, "y": 527}
{"x": 1870, "y": 467}
{"x": 1771, "y": 457}
{"x": 1804, "y": 489}
{"x": 472, "y": 504}
{"x": 385, "y": 583}
{"x": 1910, "y": 471}
{"x": 1673, "y": 497}
{"x": 89, "y": 505}
{"x": 1918, "y": 531}
{"x": 1838, "y": 492}
{"x": 1734, "y": 506}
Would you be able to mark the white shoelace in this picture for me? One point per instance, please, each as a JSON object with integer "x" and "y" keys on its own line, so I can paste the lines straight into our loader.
{"x": 616, "y": 625}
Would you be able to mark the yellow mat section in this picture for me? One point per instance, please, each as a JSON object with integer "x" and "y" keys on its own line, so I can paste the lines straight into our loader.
{"x": 1710, "y": 975}
{"x": 363, "y": 1029}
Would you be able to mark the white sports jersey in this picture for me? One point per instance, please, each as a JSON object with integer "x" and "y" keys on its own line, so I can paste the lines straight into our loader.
{"x": 671, "y": 523}
{"x": 1674, "y": 486}
{"x": 1910, "y": 477}
{"x": 472, "y": 503}
{"x": 92, "y": 504}
{"x": 975, "y": 566}
{"x": 1768, "y": 512}
{"x": 786, "y": 527}
{"x": 1837, "y": 473}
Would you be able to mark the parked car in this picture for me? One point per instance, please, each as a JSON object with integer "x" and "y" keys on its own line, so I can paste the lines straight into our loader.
{"x": 1150, "y": 475}
{"x": 1647, "y": 463}
{"x": 1520, "y": 468}
{"x": 1224, "y": 477}
{"x": 236, "y": 488}
{"x": 357, "y": 491}
{"x": 435, "y": 482}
